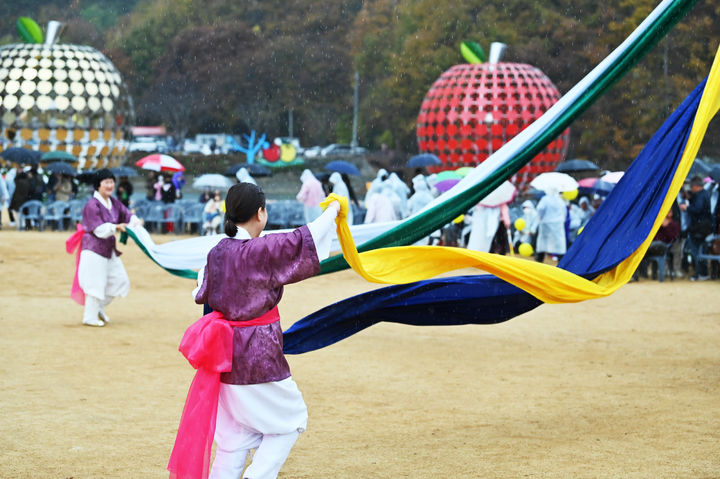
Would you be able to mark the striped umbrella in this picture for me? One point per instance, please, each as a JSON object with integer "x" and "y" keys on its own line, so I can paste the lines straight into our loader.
{"x": 160, "y": 162}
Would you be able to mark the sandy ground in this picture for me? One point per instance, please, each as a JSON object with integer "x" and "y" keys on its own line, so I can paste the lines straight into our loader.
{"x": 627, "y": 386}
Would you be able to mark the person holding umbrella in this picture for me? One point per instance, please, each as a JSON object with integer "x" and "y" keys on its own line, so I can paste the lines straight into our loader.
{"x": 100, "y": 272}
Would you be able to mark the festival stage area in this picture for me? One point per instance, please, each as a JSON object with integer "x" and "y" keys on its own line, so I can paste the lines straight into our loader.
{"x": 627, "y": 386}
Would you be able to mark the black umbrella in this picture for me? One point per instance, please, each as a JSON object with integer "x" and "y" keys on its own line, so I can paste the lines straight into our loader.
{"x": 254, "y": 169}
{"x": 715, "y": 173}
{"x": 422, "y": 160}
{"x": 121, "y": 171}
{"x": 62, "y": 168}
{"x": 342, "y": 166}
{"x": 21, "y": 156}
{"x": 576, "y": 165}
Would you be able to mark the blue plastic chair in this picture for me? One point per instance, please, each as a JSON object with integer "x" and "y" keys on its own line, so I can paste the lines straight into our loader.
{"x": 193, "y": 215}
{"x": 76, "y": 209}
{"x": 172, "y": 214}
{"x": 56, "y": 213}
{"x": 30, "y": 214}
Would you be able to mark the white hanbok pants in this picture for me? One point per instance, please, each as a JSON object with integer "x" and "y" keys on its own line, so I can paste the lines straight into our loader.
{"x": 266, "y": 417}
{"x": 101, "y": 279}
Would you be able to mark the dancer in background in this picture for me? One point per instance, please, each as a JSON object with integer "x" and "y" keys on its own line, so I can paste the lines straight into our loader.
{"x": 101, "y": 273}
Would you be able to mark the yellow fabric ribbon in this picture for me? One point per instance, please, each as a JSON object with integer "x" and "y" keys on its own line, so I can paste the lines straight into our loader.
{"x": 406, "y": 264}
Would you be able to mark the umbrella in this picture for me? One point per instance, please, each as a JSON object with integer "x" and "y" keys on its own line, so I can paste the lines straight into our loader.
{"x": 254, "y": 169}
{"x": 62, "y": 168}
{"x": 445, "y": 185}
{"x": 343, "y": 167}
{"x": 21, "y": 156}
{"x": 554, "y": 180}
{"x": 699, "y": 167}
{"x": 448, "y": 175}
{"x": 587, "y": 182}
{"x": 603, "y": 188}
{"x": 715, "y": 173}
{"x": 501, "y": 195}
{"x": 422, "y": 160}
{"x": 58, "y": 155}
{"x": 121, "y": 171}
{"x": 576, "y": 165}
{"x": 212, "y": 180}
{"x": 612, "y": 177}
{"x": 463, "y": 171}
{"x": 160, "y": 162}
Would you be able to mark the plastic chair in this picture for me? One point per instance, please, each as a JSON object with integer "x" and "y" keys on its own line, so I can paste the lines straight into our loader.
{"x": 194, "y": 215}
{"x": 76, "y": 209}
{"x": 172, "y": 214}
{"x": 56, "y": 212}
{"x": 277, "y": 215}
{"x": 154, "y": 216}
{"x": 661, "y": 261}
{"x": 31, "y": 213}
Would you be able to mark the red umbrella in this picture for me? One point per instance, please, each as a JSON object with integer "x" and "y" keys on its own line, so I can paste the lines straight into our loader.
{"x": 159, "y": 162}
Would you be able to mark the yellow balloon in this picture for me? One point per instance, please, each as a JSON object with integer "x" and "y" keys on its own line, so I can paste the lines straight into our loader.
{"x": 459, "y": 219}
{"x": 525, "y": 249}
{"x": 520, "y": 224}
{"x": 570, "y": 195}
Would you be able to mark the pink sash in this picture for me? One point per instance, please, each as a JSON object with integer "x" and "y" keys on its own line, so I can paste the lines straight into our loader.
{"x": 208, "y": 346}
{"x": 74, "y": 244}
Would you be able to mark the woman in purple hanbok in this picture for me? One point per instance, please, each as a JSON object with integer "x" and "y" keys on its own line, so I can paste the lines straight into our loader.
{"x": 243, "y": 383}
{"x": 101, "y": 274}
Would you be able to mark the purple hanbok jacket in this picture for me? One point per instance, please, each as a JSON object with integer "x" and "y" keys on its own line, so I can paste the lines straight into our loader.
{"x": 94, "y": 214}
{"x": 243, "y": 280}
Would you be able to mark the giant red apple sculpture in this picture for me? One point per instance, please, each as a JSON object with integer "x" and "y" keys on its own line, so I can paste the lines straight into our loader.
{"x": 473, "y": 109}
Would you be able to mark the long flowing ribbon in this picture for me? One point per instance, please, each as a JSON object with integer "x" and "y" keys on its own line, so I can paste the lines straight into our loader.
{"x": 608, "y": 250}
{"x": 74, "y": 245}
{"x": 208, "y": 346}
{"x": 407, "y": 264}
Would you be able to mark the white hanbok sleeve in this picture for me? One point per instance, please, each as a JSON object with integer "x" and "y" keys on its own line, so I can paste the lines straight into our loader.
{"x": 105, "y": 230}
{"x": 322, "y": 231}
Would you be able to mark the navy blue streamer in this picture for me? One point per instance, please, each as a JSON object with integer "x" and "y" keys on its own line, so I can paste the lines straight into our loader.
{"x": 615, "y": 231}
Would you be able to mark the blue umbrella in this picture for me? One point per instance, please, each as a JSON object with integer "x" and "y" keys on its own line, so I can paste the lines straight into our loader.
{"x": 21, "y": 156}
{"x": 576, "y": 165}
{"x": 422, "y": 160}
{"x": 343, "y": 167}
{"x": 62, "y": 168}
{"x": 121, "y": 171}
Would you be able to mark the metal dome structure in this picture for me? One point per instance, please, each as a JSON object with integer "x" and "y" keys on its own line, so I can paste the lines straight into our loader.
{"x": 64, "y": 97}
{"x": 473, "y": 109}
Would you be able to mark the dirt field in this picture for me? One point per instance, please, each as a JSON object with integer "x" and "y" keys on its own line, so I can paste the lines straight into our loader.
{"x": 627, "y": 386}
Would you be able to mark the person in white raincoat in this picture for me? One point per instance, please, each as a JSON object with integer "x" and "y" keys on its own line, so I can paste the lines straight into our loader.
{"x": 402, "y": 191}
{"x": 484, "y": 226}
{"x": 421, "y": 197}
{"x": 527, "y": 234}
{"x": 380, "y": 206}
{"x": 382, "y": 175}
{"x": 243, "y": 176}
{"x": 552, "y": 211}
{"x": 340, "y": 188}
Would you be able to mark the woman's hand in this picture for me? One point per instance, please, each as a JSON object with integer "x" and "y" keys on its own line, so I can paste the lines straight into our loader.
{"x": 121, "y": 226}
